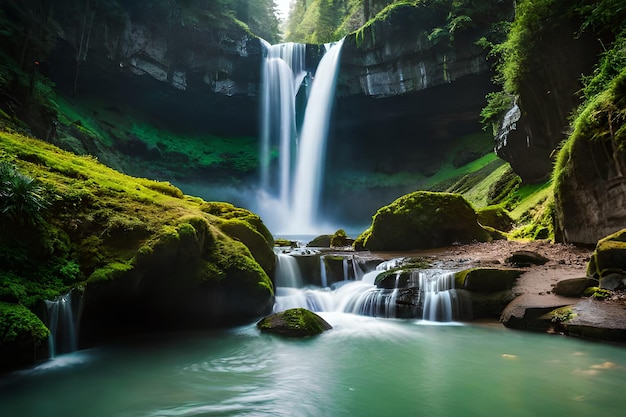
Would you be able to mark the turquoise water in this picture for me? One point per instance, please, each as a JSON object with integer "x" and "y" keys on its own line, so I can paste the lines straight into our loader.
{"x": 363, "y": 367}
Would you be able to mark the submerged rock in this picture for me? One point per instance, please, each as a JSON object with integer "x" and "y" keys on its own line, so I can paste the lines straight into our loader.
{"x": 295, "y": 322}
{"x": 422, "y": 220}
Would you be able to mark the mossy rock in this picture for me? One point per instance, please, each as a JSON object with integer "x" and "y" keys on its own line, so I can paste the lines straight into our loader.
{"x": 260, "y": 248}
{"x": 321, "y": 241}
{"x": 487, "y": 279}
{"x": 609, "y": 256}
{"x": 422, "y": 220}
{"x": 340, "y": 239}
{"x": 496, "y": 217}
{"x": 22, "y": 336}
{"x": 295, "y": 322}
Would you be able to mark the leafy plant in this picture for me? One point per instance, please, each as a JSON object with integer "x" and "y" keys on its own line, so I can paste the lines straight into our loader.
{"x": 22, "y": 198}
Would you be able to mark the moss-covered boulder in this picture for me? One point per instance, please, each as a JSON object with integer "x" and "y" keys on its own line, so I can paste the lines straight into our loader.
{"x": 148, "y": 256}
{"x": 295, "y": 322}
{"x": 487, "y": 279}
{"x": 422, "y": 220}
{"x": 248, "y": 228}
{"x": 609, "y": 257}
{"x": 22, "y": 337}
{"x": 496, "y": 217}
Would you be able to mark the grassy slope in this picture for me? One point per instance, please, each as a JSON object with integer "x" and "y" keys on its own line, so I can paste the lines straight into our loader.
{"x": 163, "y": 150}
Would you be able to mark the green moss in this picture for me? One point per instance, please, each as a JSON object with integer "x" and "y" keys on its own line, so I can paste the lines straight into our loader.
{"x": 296, "y": 322}
{"x": 112, "y": 271}
{"x": 496, "y": 217}
{"x": 17, "y": 322}
{"x": 597, "y": 293}
{"x": 422, "y": 220}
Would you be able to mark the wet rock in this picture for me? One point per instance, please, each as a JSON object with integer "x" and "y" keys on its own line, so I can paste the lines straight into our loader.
{"x": 530, "y": 312}
{"x": 574, "y": 287}
{"x": 487, "y": 279}
{"x": 598, "y": 320}
{"x": 295, "y": 322}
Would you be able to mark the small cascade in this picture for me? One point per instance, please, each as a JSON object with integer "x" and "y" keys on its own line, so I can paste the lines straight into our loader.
{"x": 323, "y": 272}
{"x": 61, "y": 321}
{"x": 344, "y": 264}
{"x": 287, "y": 272}
{"x": 440, "y": 300}
{"x": 368, "y": 300}
{"x": 357, "y": 270}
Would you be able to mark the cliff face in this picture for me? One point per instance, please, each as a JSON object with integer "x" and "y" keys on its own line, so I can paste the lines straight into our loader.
{"x": 590, "y": 189}
{"x": 404, "y": 98}
{"x": 547, "y": 96}
{"x": 398, "y": 55}
{"x": 185, "y": 57}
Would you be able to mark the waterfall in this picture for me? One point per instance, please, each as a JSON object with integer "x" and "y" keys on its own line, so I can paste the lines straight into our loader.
{"x": 440, "y": 301}
{"x": 60, "y": 320}
{"x": 312, "y": 152}
{"x": 287, "y": 272}
{"x": 426, "y": 294}
{"x": 283, "y": 73}
{"x": 290, "y": 190}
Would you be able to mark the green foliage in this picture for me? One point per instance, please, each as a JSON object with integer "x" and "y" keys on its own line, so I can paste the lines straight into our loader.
{"x": 22, "y": 198}
{"x": 611, "y": 64}
{"x": 498, "y": 104}
{"x": 563, "y": 314}
{"x": 19, "y": 323}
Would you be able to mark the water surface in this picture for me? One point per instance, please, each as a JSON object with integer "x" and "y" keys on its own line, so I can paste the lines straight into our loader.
{"x": 363, "y": 367}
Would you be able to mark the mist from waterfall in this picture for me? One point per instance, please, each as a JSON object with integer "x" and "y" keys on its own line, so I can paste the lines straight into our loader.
{"x": 292, "y": 162}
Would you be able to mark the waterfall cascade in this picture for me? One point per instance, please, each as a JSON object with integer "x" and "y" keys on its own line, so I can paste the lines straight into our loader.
{"x": 61, "y": 321}
{"x": 291, "y": 186}
{"x": 427, "y": 294}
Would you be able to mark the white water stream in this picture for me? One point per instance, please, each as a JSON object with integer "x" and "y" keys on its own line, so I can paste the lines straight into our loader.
{"x": 356, "y": 293}
{"x": 292, "y": 162}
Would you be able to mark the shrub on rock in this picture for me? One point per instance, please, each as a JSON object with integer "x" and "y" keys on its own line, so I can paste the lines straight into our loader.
{"x": 422, "y": 220}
